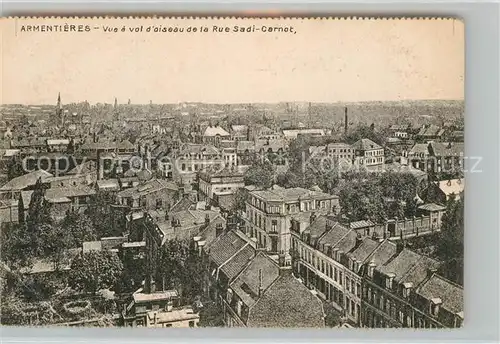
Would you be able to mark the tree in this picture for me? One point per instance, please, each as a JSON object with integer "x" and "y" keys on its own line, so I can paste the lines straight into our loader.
{"x": 104, "y": 220}
{"x": 260, "y": 174}
{"x": 80, "y": 227}
{"x": 451, "y": 239}
{"x": 181, "y": 269}
{"x": 70, "y": 149}
{"x": 95, "y": 270}
{"x": 20, "y": 211}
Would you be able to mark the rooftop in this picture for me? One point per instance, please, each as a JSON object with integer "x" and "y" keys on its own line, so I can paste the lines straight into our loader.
{"x": 287, "y": 303}
{"x": 277, "y": 193}
{"x": 450, "y": 293}
{"x": 25, "y": 180}
{"x": 365, "y": 145}
{"x": 157, "y": 296}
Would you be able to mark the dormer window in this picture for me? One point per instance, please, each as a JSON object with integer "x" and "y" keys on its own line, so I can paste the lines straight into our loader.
{"x": 229, "y": 295}
{"x": 407, "y": 289}
{"x": 434, "y": 307}
{"x": 389, "y": 280}
{"x": 371, "y": 269}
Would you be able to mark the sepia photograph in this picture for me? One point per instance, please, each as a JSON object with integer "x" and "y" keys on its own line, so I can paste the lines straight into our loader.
{"x": 232, "y": 172}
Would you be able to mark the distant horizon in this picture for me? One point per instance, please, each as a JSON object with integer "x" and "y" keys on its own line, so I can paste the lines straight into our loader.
{"x": 399, "y": 102}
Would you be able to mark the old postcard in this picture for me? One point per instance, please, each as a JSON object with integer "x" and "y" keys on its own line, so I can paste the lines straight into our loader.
{"x": 232, "y": 172}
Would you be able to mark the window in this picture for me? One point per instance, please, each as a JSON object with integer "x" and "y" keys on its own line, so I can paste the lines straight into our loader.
{"x": 274, "y": 225}
{"x": 159, "y": 203}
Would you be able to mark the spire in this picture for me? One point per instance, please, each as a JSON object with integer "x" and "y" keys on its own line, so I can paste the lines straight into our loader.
{"x": 116, "y": 103}
{"x": 345, "y": 120}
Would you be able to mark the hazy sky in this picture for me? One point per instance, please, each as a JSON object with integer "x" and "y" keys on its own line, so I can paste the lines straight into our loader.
{"x": 325, "y": 61}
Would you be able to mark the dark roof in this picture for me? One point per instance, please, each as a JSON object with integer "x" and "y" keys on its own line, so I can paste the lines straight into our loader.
{"x": 419, "y": 271}
{"x": 366, "y": 144}
{"x": 234, "y": 266}
{"x": 432, "y": 207}
{"x": 334, "y": 235}
{"x": 364, "y": 250}
{"x": 318, "y": 227}
{"x": 450, "y": 294}
{"x": 447, "y": 149}
{"x": 246, "y": 284}
{"x": 401, "y": 264}
{"x": 225, "y": 247}
{"x": 383, "y": 252}
{"x": 26, "y": 180}
{"x": 287, "y": 303}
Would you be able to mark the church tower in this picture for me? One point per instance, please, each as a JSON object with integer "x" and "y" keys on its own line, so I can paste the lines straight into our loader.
{"x": 59, "y": 115}
{"x": 116, "y": 114}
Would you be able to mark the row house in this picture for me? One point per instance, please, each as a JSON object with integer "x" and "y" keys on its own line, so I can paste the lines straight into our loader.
{"x": 392, "y": 292}
{"x": 269, "y": 214}
{"x": 374, "y": 282}
{"x": 255, "y": 290}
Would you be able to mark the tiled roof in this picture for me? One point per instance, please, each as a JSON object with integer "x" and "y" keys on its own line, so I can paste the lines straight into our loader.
{"x": 148, "y": 187}
{"x": 451, "y": 294}
{"x": 162, "y": 295}
{"x": 184, "y": 203}
{"x": 318, "y": 227}
{"x": 383, "y": 253}
{"x": 364, "y": 250}
{"x": 454, "y": 186}
{"x": 366, "y": 144}
{"x": 225, "y": 247}
{"x": 214, "y": 131}
{"x": 361, "y": 224}
{"x": 246, "y": 285}
{"x": 234, "y": 266}
{"x": 432, "y": 207}
{"x": 444, "y": 149}
{"x": 287, "y": 303}
{"x": 419, "y": 148}
{"x": 419, "y": 271}
{"x": 69, "y": 191}
{"x": 25, "y": 180}
{"x": 292, "y": 194}
{"x": 348, "y": 242}
{"x": 334, "y": 235}
{"x": 401, "y": 264}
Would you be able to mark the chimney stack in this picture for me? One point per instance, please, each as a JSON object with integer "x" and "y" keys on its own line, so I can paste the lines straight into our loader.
{"x": 345, "y": 120}
{"x": 261, "y": 289}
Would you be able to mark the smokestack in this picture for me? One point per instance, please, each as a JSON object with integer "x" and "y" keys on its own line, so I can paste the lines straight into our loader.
{"x": 345, "y": 120}
{"x": 261, "y": 289}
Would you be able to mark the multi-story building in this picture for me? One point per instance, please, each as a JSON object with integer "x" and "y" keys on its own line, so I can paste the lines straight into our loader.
{"x": 373, "y": 282}
{"x": 253, "y": 289}
{"x": 368, "y": 153}
{"x": 269, "y": 214}
{"x": 214, "y": 187}
{"x": 213, "y": 135}
{"x": 192, "y": 158}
